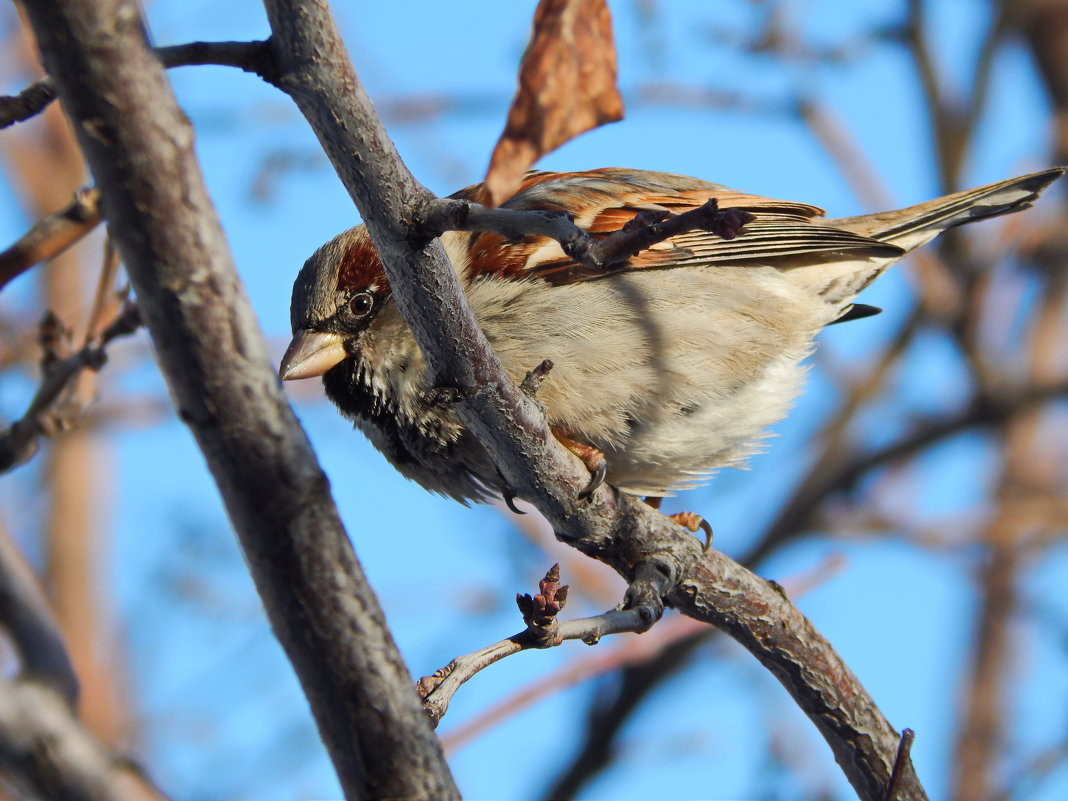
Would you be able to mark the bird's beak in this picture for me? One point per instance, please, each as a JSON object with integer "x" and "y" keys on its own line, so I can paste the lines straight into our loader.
{"x": 311, "y": 353}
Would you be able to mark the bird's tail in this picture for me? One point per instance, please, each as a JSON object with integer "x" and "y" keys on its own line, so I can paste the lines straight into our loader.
{"x": 913, "y": 226}
{"x": 838, "y": 281}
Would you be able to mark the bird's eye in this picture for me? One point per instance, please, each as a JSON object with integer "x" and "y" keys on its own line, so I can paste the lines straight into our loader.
{"x": 361, "y": 304}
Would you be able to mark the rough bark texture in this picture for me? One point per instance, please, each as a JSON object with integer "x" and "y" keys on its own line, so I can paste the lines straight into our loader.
{"x": 140, "y": 149}
{"x": 53, "y": 757}
{"x": 619, "y": 531}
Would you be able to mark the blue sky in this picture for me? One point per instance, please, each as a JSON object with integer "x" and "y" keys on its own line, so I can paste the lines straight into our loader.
{"x": 222, "y": 716}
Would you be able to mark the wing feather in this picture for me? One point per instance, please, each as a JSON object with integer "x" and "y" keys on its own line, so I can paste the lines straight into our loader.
{"x": 603, "y": 201}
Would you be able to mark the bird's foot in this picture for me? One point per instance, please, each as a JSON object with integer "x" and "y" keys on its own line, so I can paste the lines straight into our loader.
{"x": 694, "y": 522}
{"x": 591, "y": 457}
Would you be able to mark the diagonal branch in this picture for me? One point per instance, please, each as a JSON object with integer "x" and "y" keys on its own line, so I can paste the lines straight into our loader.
{"x": 139, "y": 146}
{"x": 50, "y": 754}
{"x": 620, "y": 531}
{"x": 52, "y": 235}
{"x": 26, "y": 617}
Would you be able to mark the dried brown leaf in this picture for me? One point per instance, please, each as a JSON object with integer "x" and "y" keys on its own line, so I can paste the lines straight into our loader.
{"x": 567, "y": 85}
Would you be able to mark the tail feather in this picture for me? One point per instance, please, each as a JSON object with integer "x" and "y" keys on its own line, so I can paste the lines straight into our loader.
{"x": 913, "y": 226}
{"x": 838, "y": 280}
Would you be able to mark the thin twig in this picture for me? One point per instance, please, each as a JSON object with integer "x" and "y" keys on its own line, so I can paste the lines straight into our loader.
{"x": 30, "y": 101}
{"x": 640, "y": 233}
{"x": 543, "y": 630}
{"x": 604, "y": 661}
{"x": 255, "y": 57}
{"x": 52, "y": 235}
{"x": 902, "y": 759}
{"x": 933, "y": 95}
{"x": 105, "y": 297}
{"x": 19, "y": 442}
{"x": 631, "y": 652}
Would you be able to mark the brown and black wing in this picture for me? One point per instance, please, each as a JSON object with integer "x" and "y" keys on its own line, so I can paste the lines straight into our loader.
{"x": 603, "y": 201}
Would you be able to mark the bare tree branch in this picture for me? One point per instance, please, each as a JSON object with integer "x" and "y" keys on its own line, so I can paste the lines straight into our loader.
{"x": 602, "y": 662}
{"x": 620, "y": 531}
{"x": 252, "y": 57}
{"x": 28, "y": 619}
{"x": 52, "y": 235}
{"x": 29, "y": 102}
{"x": 439, "y": 688}
{"x": 543, "y": 630}
{"x": 18, "y": 443}
{"x": 140, "y": 148}
{"x": 50, "y": 755}
{"x": 640, "y": 233}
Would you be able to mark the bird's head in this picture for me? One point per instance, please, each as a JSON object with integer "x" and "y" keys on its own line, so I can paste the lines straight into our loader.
{"x": 337, "y": 294}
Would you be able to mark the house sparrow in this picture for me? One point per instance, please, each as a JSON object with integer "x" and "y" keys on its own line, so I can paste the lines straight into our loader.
{"x": 664, "y": 367}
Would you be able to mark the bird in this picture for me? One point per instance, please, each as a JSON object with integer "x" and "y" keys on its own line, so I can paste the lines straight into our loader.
{"x": 665, "y": 367}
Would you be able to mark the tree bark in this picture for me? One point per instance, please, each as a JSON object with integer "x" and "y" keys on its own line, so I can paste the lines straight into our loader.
{"x": 139, "y": 147}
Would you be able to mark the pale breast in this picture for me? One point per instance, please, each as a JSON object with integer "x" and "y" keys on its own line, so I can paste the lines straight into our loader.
{"x": 670, "y": 373}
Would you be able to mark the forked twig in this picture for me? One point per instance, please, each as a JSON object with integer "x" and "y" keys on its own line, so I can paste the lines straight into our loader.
{"x": 644, "y": 231}
{"x": 19, "y": 441}
{"x": 543, "y": 630}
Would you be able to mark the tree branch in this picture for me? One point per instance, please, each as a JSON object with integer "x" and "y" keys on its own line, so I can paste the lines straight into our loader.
{"x": 644, "y": 231}
{"x": 620, "y": 531}
{"x": 843, "y": 473}
{"x": 139, "y": 146}
{"x": 28, "y": 619}
{"x": 29, "y": 102}
{"x": 254, "y": 57}
{"x": 51, "y": 755}
{"x": 52, "y": 235}
{"x": 543, "y": 630}
{"x": 18, "y": 443}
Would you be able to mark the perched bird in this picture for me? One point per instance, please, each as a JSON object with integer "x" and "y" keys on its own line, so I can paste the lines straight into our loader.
{"x": 665, "y": 367}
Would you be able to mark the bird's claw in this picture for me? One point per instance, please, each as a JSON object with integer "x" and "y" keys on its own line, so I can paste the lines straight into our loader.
{"x": 591, "y": 457}
{"x": 509, "y": 501}
{"x": 600, "y": 470}
{"x": 508, "y": 496}
{"x": 694, "y": 522}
